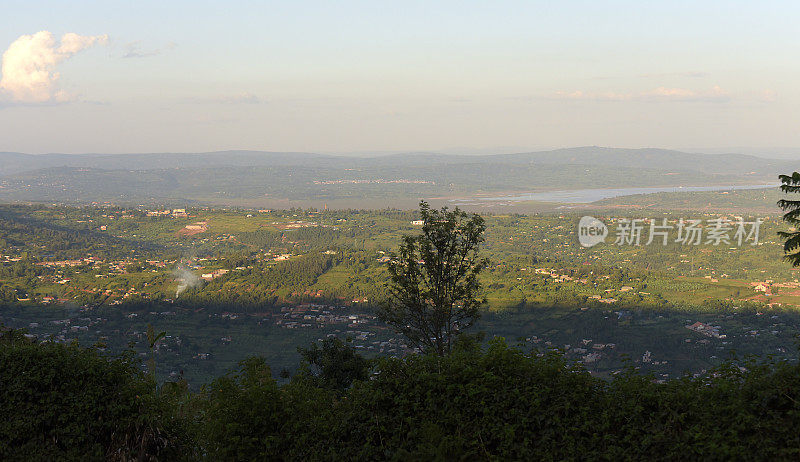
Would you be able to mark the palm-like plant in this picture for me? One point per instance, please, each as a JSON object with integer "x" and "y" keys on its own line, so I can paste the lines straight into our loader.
{"x": 791, "y": 244}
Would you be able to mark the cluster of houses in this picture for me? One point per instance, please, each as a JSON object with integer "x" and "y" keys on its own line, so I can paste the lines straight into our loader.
{"x": 558, "y": 277}
{"x": 313, "y": 315}
{"x": 372, "y": 181}
{"x": 768, "y": 285}
{"x": 109, "y": 268}
{"x": 316, "y": 315}
{"x": 706, "y": 329}
{"x": 602, "y": 299}
{"x": 72, "y": 263}
{"x": 175, "y": 213}
{"x": 297, "y": 224}
{"x": 66, "y": 327}
{"x": 113, "y": 267}
{"x": 587, "y": 351}
{"x": 214, "y": 274}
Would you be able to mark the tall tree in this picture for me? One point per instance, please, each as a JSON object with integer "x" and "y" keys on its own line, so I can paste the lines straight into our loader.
{"x": 434, "y": 293}
{"x": 791, "y": 244}
{"x": 332, "y": 364}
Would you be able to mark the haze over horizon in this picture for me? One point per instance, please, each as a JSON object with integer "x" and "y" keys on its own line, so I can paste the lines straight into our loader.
{"x": 91, "y": 76}
{"x": 776, "y": 153}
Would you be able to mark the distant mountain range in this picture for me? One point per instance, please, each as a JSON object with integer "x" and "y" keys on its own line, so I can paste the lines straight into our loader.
{"x": 254, "y": 177}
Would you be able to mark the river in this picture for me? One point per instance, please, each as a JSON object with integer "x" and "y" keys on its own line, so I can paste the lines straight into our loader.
{"x": 585, "y": 196}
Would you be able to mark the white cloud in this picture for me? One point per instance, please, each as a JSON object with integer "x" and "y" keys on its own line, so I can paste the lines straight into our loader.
{"x": 714, "y": 95}
{"x": 134, "y": 50}
{"x": 29, "y": 65}
{"x": 665, "y": 92}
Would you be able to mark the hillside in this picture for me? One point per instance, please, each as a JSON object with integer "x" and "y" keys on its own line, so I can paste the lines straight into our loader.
{"x": 273, "y": 179}
{"x": 742, "y": 200}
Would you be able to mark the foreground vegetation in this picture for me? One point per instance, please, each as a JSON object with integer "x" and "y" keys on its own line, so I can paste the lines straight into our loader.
{"x": 492, "y": 403}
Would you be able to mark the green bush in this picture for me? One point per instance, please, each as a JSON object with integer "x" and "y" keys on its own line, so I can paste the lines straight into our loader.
{"x": 332, "y": 364}
{"x": 64, "y": 402}
{"x": 492, "y": 403}
{"x": 242, "y": 414}
{"x": 499, "y": 403}
{"x": 502, "y": 404}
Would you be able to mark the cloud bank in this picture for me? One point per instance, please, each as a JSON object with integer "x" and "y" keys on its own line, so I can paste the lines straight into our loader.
{"x": 714, "y": 95}
{"x": 29, "y": 65}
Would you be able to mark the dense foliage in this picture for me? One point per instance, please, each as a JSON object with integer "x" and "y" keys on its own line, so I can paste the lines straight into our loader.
{"x": 490, "y": 403}
{"x": 67, "y": 402}
{"x": 791, "y": 184}
{"x": 332, "y": 364}
{"x": 434, "y": 290}
{"x": 19, "y": 228}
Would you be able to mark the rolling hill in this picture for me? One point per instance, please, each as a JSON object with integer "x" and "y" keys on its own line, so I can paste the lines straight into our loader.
{"x": 294, "y": 178}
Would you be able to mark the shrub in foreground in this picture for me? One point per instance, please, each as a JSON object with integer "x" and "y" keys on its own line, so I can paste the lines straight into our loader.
{"x": 64, "y": 402}
{"x": 492, "y": 403}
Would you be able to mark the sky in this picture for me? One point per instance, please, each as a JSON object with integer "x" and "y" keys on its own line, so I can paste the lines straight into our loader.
{"x": 373, "y": 76}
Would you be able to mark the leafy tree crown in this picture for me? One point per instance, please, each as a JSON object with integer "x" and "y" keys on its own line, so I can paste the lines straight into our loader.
{"x": 434, "y": 292}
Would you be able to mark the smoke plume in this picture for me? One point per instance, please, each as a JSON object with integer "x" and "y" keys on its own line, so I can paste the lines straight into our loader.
{"x": 186, "y": 279}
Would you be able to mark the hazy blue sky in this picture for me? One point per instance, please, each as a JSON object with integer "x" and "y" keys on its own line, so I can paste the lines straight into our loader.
{"x": 143, "y": 76}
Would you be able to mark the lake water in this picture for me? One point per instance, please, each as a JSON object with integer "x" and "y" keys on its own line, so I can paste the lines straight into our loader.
{"x": 585, "y": 196}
